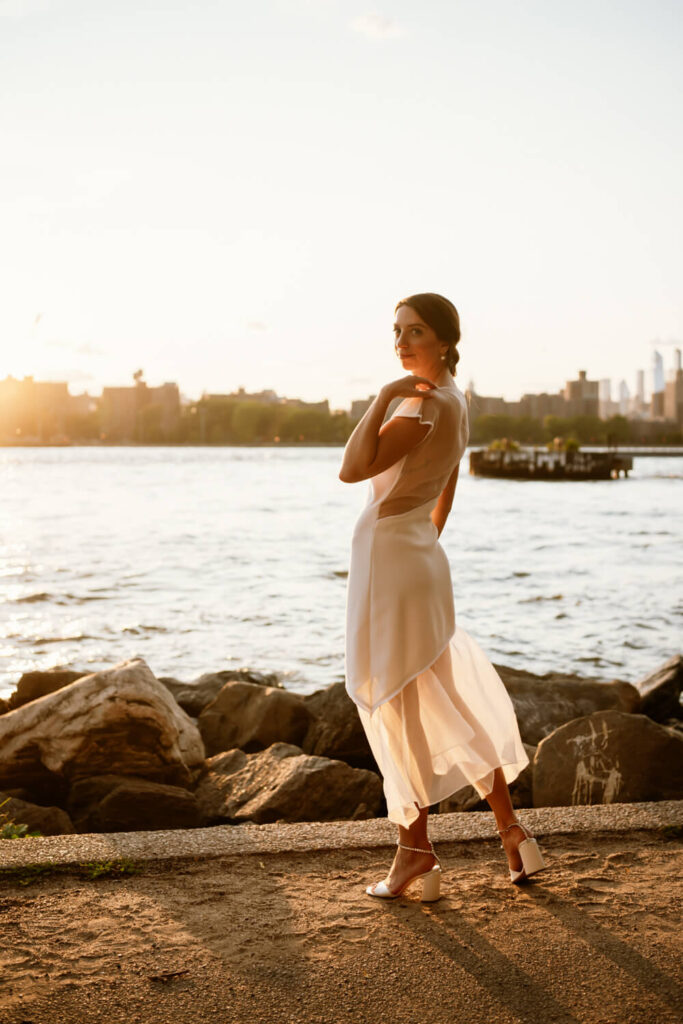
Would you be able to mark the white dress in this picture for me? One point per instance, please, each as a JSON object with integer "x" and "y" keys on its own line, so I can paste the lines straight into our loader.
{"x": 435, "y": 711}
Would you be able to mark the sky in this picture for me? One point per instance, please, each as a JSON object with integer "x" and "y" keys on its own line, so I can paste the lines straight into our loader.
{"x": 228, "y": 194}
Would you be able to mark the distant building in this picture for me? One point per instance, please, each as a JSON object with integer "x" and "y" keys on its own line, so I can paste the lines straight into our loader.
{"x": 82, "y": 405}
{"x": 582, "y": 396}
{"x": 624, "y": 398}
{"x": 606, "y": 407}
{"x": 673, "y": 392}
{"x": 481, "y": 405}
{"x": 33, "y": 410}
{"x": 268, "y": 396}
{"x": 360, "y": 407}
{"x": 298, "y": 403}
{"x": 140, "y": 413}
{"x": 657, "y": 372}
{"x": 539, "y": 406}
{"x": 640, "y": 386}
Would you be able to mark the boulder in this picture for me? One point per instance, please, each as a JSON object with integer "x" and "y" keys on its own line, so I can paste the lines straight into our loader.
{"x": 336, "y": 730}
{"x": 86, "y": 794}
{"x": 284, "y": 784}
{"x": 253, "y": 717}
{"x": 608, "y": 757}
{"x": 468, "y": 799}
{"x": 465, "y": 799}
{"x": 113, "y": 803}
{"x": 194, "y": 697}
{"x": 33, "y": 685}
{"x": 121, "y": 721}
{"x": 542, "y": 703}
{"x": 49, "y": 821}
{"x": 660, "y": 692}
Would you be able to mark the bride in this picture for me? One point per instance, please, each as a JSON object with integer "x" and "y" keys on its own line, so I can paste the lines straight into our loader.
{"x": 435, "y": 711}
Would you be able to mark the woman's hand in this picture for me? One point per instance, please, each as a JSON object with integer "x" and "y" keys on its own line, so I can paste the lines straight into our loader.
{"x": 374, "y": 447}
{"x": 411, "y": 386}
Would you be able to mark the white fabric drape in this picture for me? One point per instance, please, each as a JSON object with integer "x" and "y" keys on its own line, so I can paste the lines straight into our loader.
{"x": 435, "y": 711}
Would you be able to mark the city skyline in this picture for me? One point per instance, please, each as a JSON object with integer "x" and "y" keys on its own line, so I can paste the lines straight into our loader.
{"x": 648, "y": 380}
{"x": 236, "y": 196}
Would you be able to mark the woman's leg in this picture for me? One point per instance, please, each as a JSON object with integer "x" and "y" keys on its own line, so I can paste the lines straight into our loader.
{"x": 501, "y": 805}
{"x": 407, "y": 864}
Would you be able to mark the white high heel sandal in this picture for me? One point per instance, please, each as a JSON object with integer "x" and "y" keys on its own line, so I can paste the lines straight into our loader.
{"x": 431, "y": 880}
{"x": 532, "y": 859}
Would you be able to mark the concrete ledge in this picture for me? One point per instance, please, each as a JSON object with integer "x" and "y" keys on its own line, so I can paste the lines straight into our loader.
{"x": 245, "y": 840}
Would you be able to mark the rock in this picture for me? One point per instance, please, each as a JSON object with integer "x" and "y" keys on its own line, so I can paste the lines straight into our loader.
{"x": 660, "y": 692}
{"x": 608, "y": 757}
{"x": 86, "y": 794}
{"x": 283, "y": 783}
{"x": 33, "y": 685}
{"x": 120, "y": 721}
{"x": 336, "y": 730}
{"x": 465, "y": 799}
{"x": 542, "y": 703}
{"x": 468, "y": 799}
{"x": 252, "y": 717}
{"x": 49, "y": 821}
{"x": 110, "y": 803}
{"x": 194, "y": 697}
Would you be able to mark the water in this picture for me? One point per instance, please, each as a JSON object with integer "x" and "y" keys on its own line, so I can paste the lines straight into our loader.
{"x": 200, "y": 559}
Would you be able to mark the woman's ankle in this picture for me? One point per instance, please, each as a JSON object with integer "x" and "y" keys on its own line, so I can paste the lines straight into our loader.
{"x": 420, "y": 843}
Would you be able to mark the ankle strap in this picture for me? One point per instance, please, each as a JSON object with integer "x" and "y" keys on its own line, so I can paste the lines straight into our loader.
{"x": 514, "y": 824}
{"x": 417, "y": 849}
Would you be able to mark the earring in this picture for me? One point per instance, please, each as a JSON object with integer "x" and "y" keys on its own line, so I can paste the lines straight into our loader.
{"x": 443, "y": 359}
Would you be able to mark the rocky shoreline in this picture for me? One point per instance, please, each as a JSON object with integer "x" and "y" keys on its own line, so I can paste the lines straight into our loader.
{"x": 122, "y": 750}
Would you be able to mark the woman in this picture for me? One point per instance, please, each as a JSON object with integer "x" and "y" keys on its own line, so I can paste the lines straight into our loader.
{"x": 435, "y": 712}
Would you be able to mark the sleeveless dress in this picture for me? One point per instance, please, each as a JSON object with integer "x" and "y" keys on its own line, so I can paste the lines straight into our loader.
{"x": 434, "y": 709}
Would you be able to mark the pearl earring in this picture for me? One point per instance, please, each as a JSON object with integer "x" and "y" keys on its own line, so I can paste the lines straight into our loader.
{"x": 443, "y": 359}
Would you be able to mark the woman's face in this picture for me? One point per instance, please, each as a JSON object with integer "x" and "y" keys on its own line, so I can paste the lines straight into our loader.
{"x": 417, "y": 345}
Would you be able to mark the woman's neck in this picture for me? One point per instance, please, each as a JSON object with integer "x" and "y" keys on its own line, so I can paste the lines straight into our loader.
{"x": 441, "y": 376}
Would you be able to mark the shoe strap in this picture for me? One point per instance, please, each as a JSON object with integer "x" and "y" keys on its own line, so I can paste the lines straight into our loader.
{"x": 417, "y": 849}
{"x": 515, "y": 824}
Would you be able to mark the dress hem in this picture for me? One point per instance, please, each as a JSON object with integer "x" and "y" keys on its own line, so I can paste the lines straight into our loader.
{"x": 411, "y": 677}
{"x": 515, "y": 765}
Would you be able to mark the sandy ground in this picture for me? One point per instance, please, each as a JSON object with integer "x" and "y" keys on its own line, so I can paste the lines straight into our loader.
{"x": 291, "y": 937}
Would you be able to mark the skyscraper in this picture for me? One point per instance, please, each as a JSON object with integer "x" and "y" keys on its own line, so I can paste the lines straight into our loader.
{"x": 624, "y": 395}
{"x": 640, "y": 385}
{"x": 657, "y": 372}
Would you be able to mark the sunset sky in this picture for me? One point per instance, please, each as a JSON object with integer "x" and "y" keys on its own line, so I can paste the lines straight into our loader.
{"x": 232, "y": 193}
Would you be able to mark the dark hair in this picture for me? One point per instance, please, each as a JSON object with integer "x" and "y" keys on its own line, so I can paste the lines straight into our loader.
{"x": 441, "y": 315}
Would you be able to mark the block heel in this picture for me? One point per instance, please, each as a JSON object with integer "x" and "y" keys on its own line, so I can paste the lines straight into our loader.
{"x": 431, "y": 885}
{"x": 532, "y": 858}
{"x": 431, "y": 880}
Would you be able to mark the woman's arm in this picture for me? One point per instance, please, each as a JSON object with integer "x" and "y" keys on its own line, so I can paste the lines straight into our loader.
{"x": 444, "y": 504}
{"x": 372, "y": 448}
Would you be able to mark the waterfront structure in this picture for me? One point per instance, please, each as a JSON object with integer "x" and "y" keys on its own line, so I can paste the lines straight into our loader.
{"x": 541, "y": 464}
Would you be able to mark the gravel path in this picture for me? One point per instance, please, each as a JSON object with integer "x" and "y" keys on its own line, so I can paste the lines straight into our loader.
{"x": 285, "y": 937}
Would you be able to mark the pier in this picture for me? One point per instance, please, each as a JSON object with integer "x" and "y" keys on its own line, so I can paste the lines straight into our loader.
{"x": 541, "y": 464}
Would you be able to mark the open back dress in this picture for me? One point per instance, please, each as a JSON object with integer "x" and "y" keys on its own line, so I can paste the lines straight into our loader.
{"x": 435, "y": 711}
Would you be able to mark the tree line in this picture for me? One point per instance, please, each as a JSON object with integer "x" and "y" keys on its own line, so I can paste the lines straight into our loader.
{"x": 231, "y": 421}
